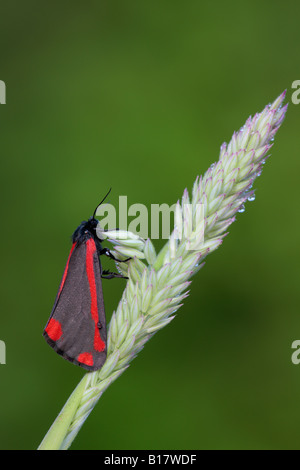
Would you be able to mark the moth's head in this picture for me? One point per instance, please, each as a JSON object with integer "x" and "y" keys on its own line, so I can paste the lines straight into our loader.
{"x": 91, "y": 224}
{"x": 85, "y": 230}
{"x": 88, "y": 228}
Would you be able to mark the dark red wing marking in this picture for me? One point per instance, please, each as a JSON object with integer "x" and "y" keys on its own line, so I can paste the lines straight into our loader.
{"x": 99, "y": 345}
{"x": 86, "y": 358}
{"x": 72, "y": 329}
{"x": 66, "y": 270}
{"x": 53, "y": 329}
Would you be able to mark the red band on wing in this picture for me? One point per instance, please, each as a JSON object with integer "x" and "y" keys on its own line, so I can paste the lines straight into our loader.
{"x": 99, "y": 344}
{"x": 66, "y": 270}
{"x": 53, "y": 329}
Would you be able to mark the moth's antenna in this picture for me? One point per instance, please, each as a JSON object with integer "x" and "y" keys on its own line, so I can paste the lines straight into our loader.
{"x": 101, "y": 203}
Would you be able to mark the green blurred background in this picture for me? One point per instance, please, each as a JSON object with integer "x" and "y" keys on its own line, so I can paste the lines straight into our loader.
{"x": 139, "y": 95}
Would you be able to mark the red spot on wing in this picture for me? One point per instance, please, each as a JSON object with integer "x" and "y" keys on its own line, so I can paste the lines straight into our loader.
{"x": 99, "y": 344}
{"x": 86, "y": 358}
{"x": 66, "y": 270}
{"x": 53, "y": 329}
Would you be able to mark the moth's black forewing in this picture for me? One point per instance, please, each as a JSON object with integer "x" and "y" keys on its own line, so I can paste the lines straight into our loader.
{"x": 71, "y": 329}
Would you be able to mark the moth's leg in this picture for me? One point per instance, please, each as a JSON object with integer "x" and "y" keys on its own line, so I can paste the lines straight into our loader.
{"x": 106, "y": 252}
{"x": 109, "y": 275}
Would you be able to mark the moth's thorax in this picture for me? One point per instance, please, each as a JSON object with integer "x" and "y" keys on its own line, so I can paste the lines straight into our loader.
{"x": 86, "y": 230}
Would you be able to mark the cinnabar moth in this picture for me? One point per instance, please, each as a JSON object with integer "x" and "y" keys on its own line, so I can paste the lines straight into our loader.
{"x": 76, "y": 328}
